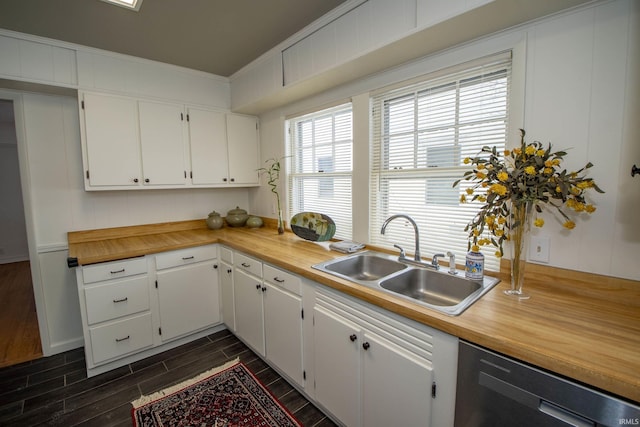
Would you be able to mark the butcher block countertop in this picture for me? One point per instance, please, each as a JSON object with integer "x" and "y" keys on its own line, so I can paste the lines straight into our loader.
{"x": 583, "y": 326}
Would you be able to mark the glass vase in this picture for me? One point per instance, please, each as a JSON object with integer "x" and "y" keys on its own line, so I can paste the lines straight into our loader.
{"x": 521, "y": 213}
{"x": 280, "y": 222}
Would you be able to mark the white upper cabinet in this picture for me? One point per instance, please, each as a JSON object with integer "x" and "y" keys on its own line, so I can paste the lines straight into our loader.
{"x": 162, "y": 145}
{"x": 131, "y": 143}
{"x": 110, "y": 141}
{"x": 208, "y": 142}
{"x": 243, "y": 149}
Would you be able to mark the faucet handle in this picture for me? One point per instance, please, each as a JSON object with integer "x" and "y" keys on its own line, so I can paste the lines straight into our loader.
{"x": 434, "y": 260}
{"x": 452, "y": 262}
{"x": 402, "y": 252}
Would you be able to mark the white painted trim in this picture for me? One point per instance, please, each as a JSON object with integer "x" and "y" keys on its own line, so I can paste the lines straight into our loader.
{"x": 23, "y": 159}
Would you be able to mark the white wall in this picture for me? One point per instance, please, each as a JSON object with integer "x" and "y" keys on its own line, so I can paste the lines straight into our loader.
{"x": 576, "y": 85}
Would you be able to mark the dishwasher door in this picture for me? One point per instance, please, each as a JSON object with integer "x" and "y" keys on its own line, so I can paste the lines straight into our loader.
{"x": 495, "y": 391}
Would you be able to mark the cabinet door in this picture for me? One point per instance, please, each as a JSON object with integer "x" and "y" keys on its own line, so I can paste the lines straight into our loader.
{"x": 228, "y": 305}
{"x": 242, "y": 142}
{"x": 337, "y": 367}
{"x": 188, "y": 299}
{"x": 162, "y": 144}
{"x": 396, "y": 385}
{"x": 283, "y": 331}
{"x": 111, "y": 141}
{"x": 249, "y": 314}
{"x": 208, "y": 142}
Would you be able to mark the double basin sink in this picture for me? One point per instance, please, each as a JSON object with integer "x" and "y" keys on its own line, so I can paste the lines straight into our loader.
{"x": 436, "y": 289}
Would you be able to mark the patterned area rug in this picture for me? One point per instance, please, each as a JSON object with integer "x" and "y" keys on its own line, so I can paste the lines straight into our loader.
{"x": 227, "y": 396}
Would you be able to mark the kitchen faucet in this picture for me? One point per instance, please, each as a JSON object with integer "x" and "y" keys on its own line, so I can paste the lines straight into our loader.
{"x": 417, "y": 259}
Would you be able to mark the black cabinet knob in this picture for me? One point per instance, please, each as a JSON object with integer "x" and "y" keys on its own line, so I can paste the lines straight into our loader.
{"x": 146, "y": 180}
{"x": 264, "y": 289}
{"x": 258, "y": 286}
{"x": 353, "y": 337}
{"x": 229, "y": 270}
{"x": 366, "y": 345}
{"x": 224, "y": 179}
{"x": 135, "y": 179}
{"x": 233, "y": 180}
{"x": 215, "y": 266}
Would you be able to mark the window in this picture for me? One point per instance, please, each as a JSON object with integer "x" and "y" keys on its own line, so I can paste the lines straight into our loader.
{"x": 321, "y": 165}
{"x": 421, "y": 135}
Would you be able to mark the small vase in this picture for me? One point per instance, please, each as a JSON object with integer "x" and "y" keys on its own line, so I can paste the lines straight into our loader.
{"x": 519, "y": 239}
{"x": 280, "y": 222}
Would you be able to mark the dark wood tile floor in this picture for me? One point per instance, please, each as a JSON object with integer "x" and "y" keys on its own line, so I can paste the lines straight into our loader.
{"x": 56, "y": 391}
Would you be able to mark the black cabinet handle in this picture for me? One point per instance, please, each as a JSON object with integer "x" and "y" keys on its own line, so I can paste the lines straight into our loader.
{"x": 278, "y": 280}
{"x": 264, "y": 289}
{"x": 229, "y": 270}
{"x": 120, "y": 300}
{"x": 122, "y": 339}
{"x": 117, "y": 271}
{"x": 366, "y": 345}
{"x": 185, "y": 258}
{"x": 353, "y": 337}
{"x": 258, "y": 286}
{"x": 245, "y": 265}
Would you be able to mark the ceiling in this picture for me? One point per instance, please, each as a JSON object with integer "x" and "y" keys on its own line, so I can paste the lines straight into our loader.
{"x": 216, "y": 36}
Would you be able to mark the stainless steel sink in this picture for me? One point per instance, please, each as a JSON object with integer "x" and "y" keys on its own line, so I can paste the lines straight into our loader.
{"x": 366, "y": 266}
{"x": 439, "y": 290}
{"x": 431, "y": 287}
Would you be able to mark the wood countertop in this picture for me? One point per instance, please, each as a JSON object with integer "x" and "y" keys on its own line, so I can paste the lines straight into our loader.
{"x": 583, "y": 326}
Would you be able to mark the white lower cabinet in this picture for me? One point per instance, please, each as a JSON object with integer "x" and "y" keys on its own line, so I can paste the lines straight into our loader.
{"x": 268, "y": 314}
{"x": 188, "y": 290}
{"x": 283, "y": 316}
{"x": 373, "y": 370}
{"x": 248, "y": 309}
{"x": 227, "y": 306}
{"x": 137, "y": 307}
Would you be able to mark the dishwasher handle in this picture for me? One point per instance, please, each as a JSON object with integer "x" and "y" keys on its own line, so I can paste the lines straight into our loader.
{"x": 562, "y": 414}
{"x": 532, "y": 400}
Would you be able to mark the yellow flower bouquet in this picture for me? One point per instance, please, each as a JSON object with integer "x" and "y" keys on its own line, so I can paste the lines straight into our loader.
{"x": 516, "y": 184}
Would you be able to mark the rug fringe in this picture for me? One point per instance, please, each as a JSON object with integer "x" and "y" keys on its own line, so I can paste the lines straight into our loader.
{"x": 143, "y": 400}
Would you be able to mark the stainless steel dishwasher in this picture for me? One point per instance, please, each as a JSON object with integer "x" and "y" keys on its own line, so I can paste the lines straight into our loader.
{"x": 496, "y": 391}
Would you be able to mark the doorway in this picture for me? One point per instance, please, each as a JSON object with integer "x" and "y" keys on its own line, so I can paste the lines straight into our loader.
{"x": 19, "y": 334}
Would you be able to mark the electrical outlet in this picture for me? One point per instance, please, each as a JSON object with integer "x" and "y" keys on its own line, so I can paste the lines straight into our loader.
{"x": 539, "y": 249}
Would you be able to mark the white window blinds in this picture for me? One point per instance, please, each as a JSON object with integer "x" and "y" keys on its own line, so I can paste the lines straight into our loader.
{"x": 421, "y": 135}
{"x": 321, "y": 166}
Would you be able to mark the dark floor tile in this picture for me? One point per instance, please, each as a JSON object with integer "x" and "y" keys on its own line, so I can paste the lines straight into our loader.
{"x": 32, "y": 367}
{"x": 42, "y": 415}
{"x": 75, "y": 416}
{"x": 113, "y": 387}
{"x": 118, "y": 416}
{"x": 182, "y": 373}
{"x": 60, "y": 371}
{"x": 74, "y": 355}
{"x": 309, "y": 415}
{"x": 267, "y": 376}
{"x": 209, "y": 351}
{"x": 293, "y": 400}
{"x": 10, "y": 411}
{"x": 44, "y": 399}
{"x": 280, "y": 387}
{"x": 32, "y": 391}
{"x": 220, "y": 334}
{"x": 152, "y": 360}
{"x": 236, "y": 349}
{"x": 325, "y": 422}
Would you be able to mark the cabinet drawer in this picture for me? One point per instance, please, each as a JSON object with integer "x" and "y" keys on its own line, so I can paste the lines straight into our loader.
{"x": 282, "y": 279}
{"x": 226, "y": 255}
{"x": 248, "y": 264}
{"x": 114, "y": 270}
{"x": 121, "y": 337}
{"x": 185, "y": 256}
{"x": 117, "y": 299}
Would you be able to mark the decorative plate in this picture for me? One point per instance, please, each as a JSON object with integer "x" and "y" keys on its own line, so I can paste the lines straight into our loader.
{"x": 313, "y": 226}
